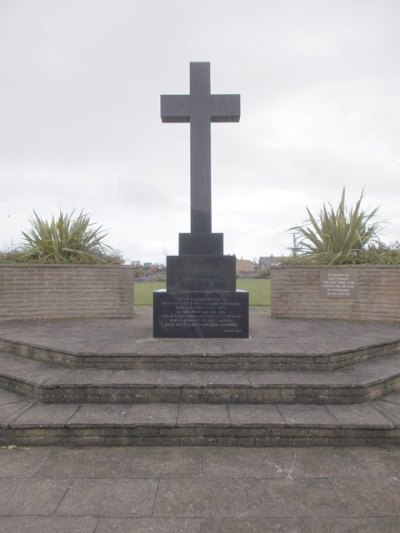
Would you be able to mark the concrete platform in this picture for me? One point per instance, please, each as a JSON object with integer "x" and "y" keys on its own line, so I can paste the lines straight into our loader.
{"x": 294, "y": 383}
{"x": 128, "y": 343}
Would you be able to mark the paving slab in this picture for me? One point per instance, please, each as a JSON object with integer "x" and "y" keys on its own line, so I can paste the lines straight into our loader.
{"x": 393, "y": 397}
{"x": 366, "y": 497}
{"x": 83, "y": 376}
{"x": 109, "y": 497}
{"x": 200, "y": 498}
{"x": 32, "y": 524}
{"x": 344, "y": 463}
{"x": 293, "y": 498}
{"x": 148, "y": 525}
{"x": 38, "y": 414}
{"x": 88, "y": 463}
{"x": 177, "y": 378}
{"x": 197, "y": 414}
{"x": 12, "y": 410}
{"x": 134, "y": 377}
{"x": 22, "y": 462}
{"x": 236, "y": 463}
{"x": 251, "y": 525}
{"x": 163, "y": 463}
{"x": 358, "y": 415}
{"x": 31, "y": 496}
{"x": 304, "y": 415}
{"x": 98, "y": 414}
{"x": 148, "y": 414}
{"x": 300, "y": 525}
{"x": 8, "y": 397}
{"x": 255, "y": 414}
{"x": 388, "y": 409}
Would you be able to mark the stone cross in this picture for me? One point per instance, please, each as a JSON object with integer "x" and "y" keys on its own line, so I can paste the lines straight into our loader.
{"x": 200, "y": 108}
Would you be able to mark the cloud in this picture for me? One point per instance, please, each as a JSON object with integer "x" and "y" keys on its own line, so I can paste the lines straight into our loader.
{"x": 80, "y": 120}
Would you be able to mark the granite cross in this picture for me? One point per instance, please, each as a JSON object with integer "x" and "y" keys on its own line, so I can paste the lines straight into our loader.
{"x": 200, "y": 108}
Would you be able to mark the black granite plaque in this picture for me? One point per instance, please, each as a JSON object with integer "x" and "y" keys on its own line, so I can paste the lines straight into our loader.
{"x": 201, "y": 273}
{"x": 201, "y": 243}
{"x": 201, "y": 314}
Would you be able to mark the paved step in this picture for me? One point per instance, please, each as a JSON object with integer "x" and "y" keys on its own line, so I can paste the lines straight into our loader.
{"x": 275, "y": 344}
{"x": 51, "y": 384}
{"x": 26, "y": 423}
{"x": 249, "y": 357}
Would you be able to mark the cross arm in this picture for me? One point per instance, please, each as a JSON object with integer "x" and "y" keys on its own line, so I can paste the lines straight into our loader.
{"x": 175, "y": 108}
{"x": 225, "y": 107}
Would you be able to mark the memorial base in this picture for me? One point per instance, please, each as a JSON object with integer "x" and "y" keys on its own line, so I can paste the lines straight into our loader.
{"x": 205, "y": 314}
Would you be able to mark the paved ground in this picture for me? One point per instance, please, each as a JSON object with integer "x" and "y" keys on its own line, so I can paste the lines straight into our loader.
{"x": 199, "y": 490}
{"x": 133, "y": 336}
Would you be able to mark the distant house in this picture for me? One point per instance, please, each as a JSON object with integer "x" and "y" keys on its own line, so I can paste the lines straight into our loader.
{"x": 244, "y": 265}
{"x": 267, "y": 262}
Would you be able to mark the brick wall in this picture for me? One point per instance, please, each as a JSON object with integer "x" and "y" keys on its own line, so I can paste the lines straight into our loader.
{"x": 296, "y": 293}
{"x": 65, "y": 291}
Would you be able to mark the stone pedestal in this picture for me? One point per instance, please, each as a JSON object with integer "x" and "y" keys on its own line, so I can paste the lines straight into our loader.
{"x": 201, "y": 299}
{"x": 201, "y": 272}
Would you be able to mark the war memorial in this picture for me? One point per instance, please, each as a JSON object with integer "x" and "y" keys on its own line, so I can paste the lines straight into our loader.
{"x": 201, "y": 299}
{"x": 199, "y": 369}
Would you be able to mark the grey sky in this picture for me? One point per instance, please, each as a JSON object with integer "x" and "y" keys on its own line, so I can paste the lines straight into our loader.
{"x": 80, "y": 127}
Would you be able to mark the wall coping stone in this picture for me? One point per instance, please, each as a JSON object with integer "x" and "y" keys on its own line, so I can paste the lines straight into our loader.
{"x": 323, "y": 267}
{"x": 62, "y": 265}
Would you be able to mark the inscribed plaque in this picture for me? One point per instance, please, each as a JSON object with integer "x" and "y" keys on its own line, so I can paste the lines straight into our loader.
{"x": 338, "y": 283}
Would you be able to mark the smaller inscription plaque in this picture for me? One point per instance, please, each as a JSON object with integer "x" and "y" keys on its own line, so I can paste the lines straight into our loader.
{"x": 338, "y": 283}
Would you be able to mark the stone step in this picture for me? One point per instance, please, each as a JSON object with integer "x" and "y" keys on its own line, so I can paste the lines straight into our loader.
{"x": 28, "y": 423}
{"x": 204, "y": 354}
{"x": 274, "y": 344}
{"x": 52, "y": 384}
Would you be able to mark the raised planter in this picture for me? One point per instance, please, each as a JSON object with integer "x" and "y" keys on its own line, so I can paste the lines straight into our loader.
{"x": 65, "y": 291}
{"x": 350, "y": 292}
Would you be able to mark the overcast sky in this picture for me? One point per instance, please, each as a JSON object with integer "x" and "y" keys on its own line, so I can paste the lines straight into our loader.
{"x": 80, "y": 128}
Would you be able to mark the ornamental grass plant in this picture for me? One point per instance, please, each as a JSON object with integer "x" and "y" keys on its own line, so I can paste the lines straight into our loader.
{"x": 65, "y": 239}
{"x": 338, "y": 236}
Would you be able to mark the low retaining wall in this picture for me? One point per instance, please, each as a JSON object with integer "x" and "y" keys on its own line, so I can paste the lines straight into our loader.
{"x": 351, "y": 292}
{"x": 65, "y": 291}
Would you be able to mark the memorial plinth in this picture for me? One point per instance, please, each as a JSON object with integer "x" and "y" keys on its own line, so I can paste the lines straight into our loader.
{"x": 201, "y": 299}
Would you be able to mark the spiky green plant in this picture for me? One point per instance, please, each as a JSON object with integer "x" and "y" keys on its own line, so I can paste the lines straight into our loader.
{"x": 337, "y": 236}
{"x": 65, "y": 240}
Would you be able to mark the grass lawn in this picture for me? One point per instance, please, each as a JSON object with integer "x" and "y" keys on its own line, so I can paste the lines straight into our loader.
{"x": 259, "y": 291}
